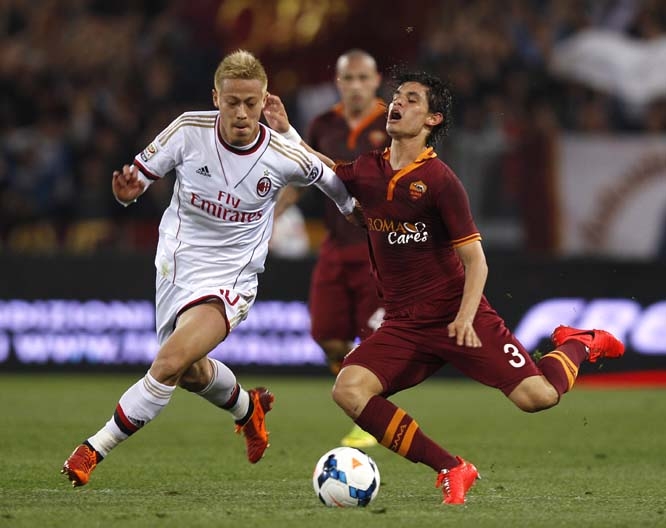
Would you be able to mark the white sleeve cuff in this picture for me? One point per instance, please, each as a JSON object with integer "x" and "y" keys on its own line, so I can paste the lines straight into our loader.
{"x": 292, "y": 135}
{"x": 348, "y": 207}
{"x": 332, "y": 186}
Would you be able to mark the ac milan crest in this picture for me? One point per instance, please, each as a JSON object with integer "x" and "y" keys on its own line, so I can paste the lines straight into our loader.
{"x": 264, "y": 186}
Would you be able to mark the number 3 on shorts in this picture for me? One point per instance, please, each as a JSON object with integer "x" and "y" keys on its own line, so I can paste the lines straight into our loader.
{"x": 517, "y": 359}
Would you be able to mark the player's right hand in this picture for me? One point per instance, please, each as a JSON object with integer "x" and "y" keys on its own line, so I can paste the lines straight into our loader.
{"x": 126, "y": 185}
{"x": 276, "y": 114}
{"x": 464, "y": 333}
{"x": 356, "y": 217}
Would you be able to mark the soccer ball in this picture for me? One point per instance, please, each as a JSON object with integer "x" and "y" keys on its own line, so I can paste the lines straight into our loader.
{"x": 345, "y": 477}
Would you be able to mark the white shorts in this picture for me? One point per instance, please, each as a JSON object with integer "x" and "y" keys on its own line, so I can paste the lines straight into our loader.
{"x": 172, "y": 300}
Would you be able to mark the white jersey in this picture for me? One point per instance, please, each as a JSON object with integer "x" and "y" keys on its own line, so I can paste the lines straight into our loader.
{"x": 216, "y": 229}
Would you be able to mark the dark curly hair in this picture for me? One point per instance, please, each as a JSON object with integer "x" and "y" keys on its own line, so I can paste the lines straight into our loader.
{"x": 439, "y": 95}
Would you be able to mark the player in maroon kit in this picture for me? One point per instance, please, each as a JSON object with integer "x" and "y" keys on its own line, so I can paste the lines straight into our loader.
{"x": 430, "y": 267}
{"x": 343, "y": 299}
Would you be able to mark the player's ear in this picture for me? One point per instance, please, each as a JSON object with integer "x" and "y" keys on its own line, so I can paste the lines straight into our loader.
{"x": 434, "y": 119}
{"x": 216, "y": 103}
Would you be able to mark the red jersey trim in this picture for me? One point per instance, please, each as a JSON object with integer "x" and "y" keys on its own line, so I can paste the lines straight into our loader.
{"x": 241, "y": 152}
{"x": 145, "y": 171}
{"x": 427, "y": 154}
{"x": 458, "y": 242}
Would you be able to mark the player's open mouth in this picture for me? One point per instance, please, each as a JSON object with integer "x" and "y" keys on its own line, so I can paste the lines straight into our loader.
{"x": 394, "y": 115}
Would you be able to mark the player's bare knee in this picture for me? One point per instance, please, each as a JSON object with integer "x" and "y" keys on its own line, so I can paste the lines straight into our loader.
{"x": 548, "y": 398}
{"x": 538, "y": 401}
{"x": 346, "y": 394}
{"x": 534, "y": 395}
{"x": 168, "y": 370}
{"x": 341, "y": 393}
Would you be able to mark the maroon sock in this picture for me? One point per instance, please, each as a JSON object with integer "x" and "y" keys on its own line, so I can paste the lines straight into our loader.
{"x": 399, "y": 432}
{"x": 560, "y": 366}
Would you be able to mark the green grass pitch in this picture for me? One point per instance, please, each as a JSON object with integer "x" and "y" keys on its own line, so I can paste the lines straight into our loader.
{"x": 595, "y": 460}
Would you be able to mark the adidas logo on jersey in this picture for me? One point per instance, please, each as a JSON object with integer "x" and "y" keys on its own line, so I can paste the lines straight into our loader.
{"x": 204, "y": 171}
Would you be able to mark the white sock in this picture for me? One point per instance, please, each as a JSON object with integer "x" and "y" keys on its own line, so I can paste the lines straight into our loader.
{"x": 225, "y": 392}
{"x": 141, "y": 403}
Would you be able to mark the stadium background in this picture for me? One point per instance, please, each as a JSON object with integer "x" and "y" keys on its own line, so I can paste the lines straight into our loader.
{"x": 559, "y": 135}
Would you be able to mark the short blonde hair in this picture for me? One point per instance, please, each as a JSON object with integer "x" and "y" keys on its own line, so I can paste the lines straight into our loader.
{"x": 240, "y": 64}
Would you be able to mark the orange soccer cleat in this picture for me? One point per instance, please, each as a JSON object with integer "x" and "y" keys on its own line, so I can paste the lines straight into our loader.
{"x": 80, "y": 464}
{"x": 254, "y": 429}
{"x": 600, "y": 343}
{"x": 456, "y": 482}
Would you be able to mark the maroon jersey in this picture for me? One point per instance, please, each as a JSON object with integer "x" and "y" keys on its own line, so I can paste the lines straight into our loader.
{"x": 416, "y": 217}
{"x": 330, "y": 134}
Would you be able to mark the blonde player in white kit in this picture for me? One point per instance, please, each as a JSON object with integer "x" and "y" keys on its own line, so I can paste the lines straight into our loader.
{"x": 213, "y": 242}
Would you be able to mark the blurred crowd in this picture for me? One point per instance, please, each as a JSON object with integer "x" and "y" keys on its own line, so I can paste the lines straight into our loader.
{"x": 497, "y": 54}
{"x": 86, "y": 84}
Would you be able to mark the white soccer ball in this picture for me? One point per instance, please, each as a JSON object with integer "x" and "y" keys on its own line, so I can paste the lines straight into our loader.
{"x": 345, "y": 477}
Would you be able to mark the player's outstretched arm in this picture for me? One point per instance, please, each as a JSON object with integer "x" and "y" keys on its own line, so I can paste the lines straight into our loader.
{"x": 277, "y": 118}
{"x": 126, "y": 184}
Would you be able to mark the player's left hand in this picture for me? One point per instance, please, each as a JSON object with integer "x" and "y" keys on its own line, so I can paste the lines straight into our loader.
{"x": 126, "y": 184}
{"x": 464, "y": 333}
{"x": 276, "y": 114}
{"x": 356, "y": 216}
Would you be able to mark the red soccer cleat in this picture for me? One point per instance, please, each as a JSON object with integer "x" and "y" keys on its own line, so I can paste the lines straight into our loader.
{"x": 600, "y": 343}
{"x": 456, "y": 482}
{"x": 254, "y": 429}
{"x": 80, "y": 465}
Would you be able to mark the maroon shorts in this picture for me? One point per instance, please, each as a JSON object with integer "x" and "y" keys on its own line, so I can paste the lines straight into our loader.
{"x": 404, "y": 352}
{"x": 343, "y": 296}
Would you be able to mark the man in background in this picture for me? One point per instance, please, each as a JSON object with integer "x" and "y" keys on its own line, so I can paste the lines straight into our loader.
{"x": 344, "y": 305}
